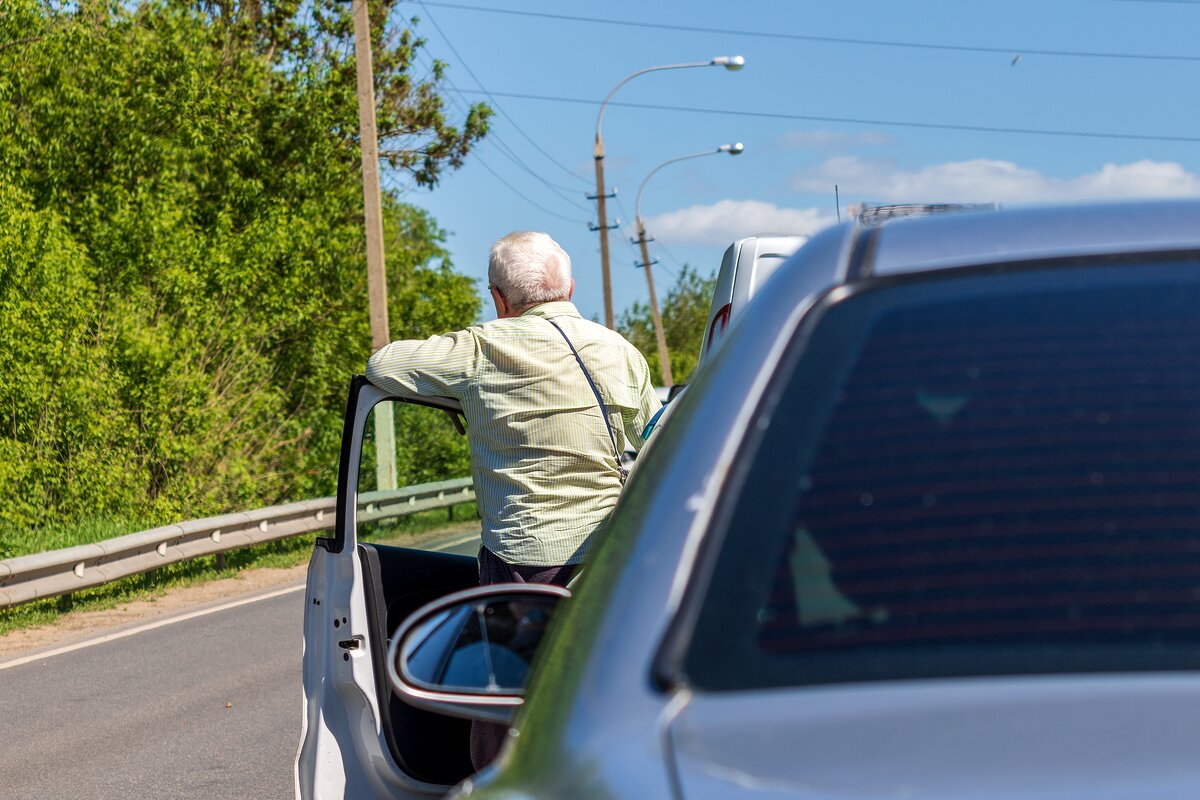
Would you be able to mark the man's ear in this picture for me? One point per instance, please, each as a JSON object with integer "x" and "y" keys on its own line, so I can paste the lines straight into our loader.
{"x": 502, "y": 308}
{"x": 571, "y": 291}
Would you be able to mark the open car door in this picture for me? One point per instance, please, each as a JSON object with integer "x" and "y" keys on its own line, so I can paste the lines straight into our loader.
{"x": 358, "y": 740}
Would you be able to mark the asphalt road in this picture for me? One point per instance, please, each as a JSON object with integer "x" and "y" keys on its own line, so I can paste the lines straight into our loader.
{"x": 203, "y": 705}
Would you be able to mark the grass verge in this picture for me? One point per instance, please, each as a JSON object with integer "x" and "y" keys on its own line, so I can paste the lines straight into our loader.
{"x": 283, "y": 553}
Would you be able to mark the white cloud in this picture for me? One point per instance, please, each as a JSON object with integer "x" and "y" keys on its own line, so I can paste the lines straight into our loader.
{"x": 986, "y": 180}
{"x": 724, "y": 221}
{"x": 978, "y": 180}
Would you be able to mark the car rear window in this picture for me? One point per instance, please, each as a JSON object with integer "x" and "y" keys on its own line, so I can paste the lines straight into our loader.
{"x": 765, "y": 267}
{"x": 993, "y": 474}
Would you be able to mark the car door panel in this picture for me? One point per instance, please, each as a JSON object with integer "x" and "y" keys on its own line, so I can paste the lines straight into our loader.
{"x": 343, "y": 750}
{"x": 427, "y": 746}
{"x": 357, "y": 740}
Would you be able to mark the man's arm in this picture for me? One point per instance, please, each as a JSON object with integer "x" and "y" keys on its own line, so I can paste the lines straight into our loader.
{"x": 647, "y": 400}
{"x": 437, "y": 366}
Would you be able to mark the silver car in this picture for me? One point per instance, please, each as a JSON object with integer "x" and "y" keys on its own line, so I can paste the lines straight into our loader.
{"x": 745, "y": 268}
{"x": 928, "y": 526}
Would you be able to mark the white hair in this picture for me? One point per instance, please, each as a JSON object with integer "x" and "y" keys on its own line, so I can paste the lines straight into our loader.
{"x": 530, "y": 268}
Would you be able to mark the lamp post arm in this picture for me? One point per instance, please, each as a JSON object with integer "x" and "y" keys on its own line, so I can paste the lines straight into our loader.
{"x": 599, "y": 149}
{"x": 642, "y": 188}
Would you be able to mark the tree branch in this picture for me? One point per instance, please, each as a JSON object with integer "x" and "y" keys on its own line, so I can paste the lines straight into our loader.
{"x": 16, "y": 42}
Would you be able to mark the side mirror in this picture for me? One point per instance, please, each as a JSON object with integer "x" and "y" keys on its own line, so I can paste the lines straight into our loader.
{"x": 675, "y": 391}
{"x": 468, "y": 654}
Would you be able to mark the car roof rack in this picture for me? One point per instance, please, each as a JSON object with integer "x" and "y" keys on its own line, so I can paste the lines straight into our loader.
{"x": 876, "y": 214}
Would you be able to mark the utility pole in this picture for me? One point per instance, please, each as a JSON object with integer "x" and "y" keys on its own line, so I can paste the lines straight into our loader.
{"x": 664, "y": 356}
{"x": 603, "y": 226}
{"x": 731, "y": 63}
{"x": 385, "y": 432}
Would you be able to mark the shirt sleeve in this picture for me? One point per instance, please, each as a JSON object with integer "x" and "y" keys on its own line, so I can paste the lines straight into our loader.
{"x": 440, "y": 366}
{"x": 648, "y": 403}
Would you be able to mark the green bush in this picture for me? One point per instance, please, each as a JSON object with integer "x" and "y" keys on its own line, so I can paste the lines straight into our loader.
{"x": 182, "y": 276}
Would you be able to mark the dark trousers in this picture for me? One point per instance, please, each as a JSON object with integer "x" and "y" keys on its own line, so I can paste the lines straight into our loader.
{"x": 487, "y": 737}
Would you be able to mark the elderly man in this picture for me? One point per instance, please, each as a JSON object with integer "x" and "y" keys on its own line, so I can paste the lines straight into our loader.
{"x": 550, "y": 399}
{"x": 545, "y": 455}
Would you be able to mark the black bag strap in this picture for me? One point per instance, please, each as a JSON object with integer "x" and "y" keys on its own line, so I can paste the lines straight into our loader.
{"x": 599, "y": 400}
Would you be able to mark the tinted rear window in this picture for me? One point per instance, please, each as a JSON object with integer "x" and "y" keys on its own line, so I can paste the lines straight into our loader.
{"x": 765, "y": 267}
{"x": 984, "y": 475}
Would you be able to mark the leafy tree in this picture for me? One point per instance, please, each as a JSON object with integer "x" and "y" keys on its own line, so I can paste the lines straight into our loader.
{"x": 182, "y": 276}
{"x": 684, "y": 314}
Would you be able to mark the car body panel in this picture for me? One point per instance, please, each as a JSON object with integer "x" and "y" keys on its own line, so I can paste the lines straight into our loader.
{"x": 954, "y": 240}
{"x": 343, "y": 752}
{"x": 1089, "y": 737}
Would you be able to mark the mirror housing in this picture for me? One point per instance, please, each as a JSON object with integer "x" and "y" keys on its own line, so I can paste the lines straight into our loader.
{"x": 468, "y": 654}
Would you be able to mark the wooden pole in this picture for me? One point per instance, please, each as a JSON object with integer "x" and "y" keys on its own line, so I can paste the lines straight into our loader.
{"x": 385, "y": 435}
{"x": 664, "y": 357}
{"x": 602, "y": 223}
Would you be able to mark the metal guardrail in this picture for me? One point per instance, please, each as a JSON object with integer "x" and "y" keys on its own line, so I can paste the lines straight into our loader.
{"x": 59, "y": 572}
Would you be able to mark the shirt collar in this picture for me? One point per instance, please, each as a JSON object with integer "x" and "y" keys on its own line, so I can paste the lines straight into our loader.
{"x": 558, "y": 308}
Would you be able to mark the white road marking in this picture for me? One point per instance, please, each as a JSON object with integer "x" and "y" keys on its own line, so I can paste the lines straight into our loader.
{"x": 162, "y": 623}
{"x": 149, "y": 626}
{"x": 456, "y": 542}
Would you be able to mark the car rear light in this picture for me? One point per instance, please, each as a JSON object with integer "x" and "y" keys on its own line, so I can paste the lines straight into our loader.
{"x": 721, "y": 317}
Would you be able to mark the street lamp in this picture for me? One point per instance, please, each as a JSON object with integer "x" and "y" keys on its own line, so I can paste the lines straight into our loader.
{"x": 664, "y": 358}
{"x": 731, "y": 63}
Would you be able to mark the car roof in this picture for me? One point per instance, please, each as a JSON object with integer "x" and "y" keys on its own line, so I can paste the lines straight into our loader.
{"x": 850, "y": 252}
{"x": 1020, "y": 234}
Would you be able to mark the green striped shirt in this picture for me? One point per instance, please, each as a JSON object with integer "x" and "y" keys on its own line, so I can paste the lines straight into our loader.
{"x": 545, "y": 473}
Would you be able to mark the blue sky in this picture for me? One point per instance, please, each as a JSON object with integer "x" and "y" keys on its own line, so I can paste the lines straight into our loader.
{"x": 812, "y": 111}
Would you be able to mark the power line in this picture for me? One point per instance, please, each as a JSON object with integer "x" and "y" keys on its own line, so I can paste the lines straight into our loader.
{"x": 675, "y": 260}
{"x": 479, "y": 159}
{"x": 1147, "y": 137}
{"x": 824, "y": 39}
{"x": 629, "y": 228}
{"x": 506, "y": 150}
{"x": 458, "y": 100}
{"x": 657, "y": 244}
{"x": 503, "y": 113}
{"x": 557, "y": 188}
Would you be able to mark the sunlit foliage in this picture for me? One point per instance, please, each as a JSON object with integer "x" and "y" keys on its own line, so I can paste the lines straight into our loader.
{"x": 182, "y": 273}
